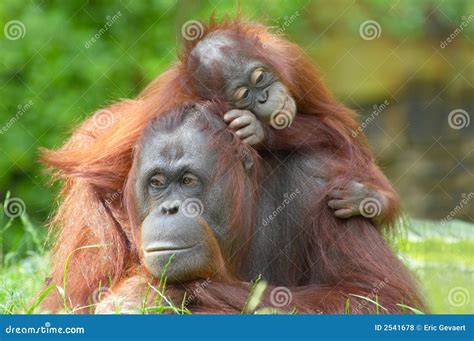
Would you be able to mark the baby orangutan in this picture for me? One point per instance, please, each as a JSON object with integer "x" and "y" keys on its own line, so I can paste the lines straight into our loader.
{"x": 225, "y": 65}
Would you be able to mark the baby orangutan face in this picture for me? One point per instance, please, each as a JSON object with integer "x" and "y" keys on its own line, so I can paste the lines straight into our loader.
{"x": 256, "y": 89}
{"x": 224, "y": 67}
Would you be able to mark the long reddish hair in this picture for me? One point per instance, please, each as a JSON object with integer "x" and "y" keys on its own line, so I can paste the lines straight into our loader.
{"x": 322, "y": 122}
{"x": 96, "y": 161}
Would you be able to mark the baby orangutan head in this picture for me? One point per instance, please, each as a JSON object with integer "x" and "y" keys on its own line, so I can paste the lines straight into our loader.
{"x": 224, "y": 66}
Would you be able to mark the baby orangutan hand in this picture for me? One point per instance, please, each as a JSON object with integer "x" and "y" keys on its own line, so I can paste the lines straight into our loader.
{"x": 358, "y": 199}
{"x": 246, "y": 126}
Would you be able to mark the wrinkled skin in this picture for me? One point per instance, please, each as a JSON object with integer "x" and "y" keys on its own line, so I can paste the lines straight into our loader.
{"x": 181, "y": 207}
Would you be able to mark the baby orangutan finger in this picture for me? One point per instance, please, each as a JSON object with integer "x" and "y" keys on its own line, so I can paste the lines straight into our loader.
{"x": 338, "y": 204}
{"x": 246, "y": 131}
{"x": 241, "y": 121}
{"x": 345, "y": 213}
{"x": 356, "y": 186}
{"x": 338, "y": 194}
{"x": 252, "y": 140}
{"x": 233, "y": 114}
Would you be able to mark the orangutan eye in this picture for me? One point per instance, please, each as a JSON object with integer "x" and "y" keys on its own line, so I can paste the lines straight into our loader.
{"x": 189, "y": 180}
{"x": 257, "y": 76}
{"x": 241, "y": 93}
{"x": 157, "y": 181}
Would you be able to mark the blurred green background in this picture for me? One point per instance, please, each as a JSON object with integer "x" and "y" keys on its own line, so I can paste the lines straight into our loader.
{"x": 412, "y": 57}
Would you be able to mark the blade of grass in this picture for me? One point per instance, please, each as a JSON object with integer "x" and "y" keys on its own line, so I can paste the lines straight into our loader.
{"x": 170, "y": 304}
{"x": 347, "y": 307}
{"x": 413, "y": 310}
{"x": 164, "y": 279}
{"x": 83, "y": 307}
{"x": 371, "y": 301}
{"x": 255, "y": 296}
{"x": 40, "y": 298}
{"x": 66, "y": 266}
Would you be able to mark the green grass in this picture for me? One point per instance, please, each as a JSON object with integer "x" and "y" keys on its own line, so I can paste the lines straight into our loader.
{"x": 441, "y": 256}
{"x": 21, "y": 284}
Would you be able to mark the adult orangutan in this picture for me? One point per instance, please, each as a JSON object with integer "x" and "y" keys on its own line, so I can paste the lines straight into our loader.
{"x": 191, "y": 195}
{"x": 95, "y": 163}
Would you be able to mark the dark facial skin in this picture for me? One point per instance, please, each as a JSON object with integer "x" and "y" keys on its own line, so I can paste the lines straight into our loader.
{"x": 245, "y": 82}
{"x": 182, "y": 208}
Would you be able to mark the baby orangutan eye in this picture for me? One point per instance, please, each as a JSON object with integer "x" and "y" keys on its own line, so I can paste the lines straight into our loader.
{"x": 241, "y": 93}
{"x": 257, "y": 76}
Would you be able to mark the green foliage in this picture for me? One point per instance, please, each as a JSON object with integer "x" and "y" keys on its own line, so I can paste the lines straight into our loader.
{"x": 56, "y": 74}
{"x": 21, "y": 284}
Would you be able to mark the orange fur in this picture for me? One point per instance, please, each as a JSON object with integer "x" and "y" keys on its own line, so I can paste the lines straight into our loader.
{"x": 95, "y": 163}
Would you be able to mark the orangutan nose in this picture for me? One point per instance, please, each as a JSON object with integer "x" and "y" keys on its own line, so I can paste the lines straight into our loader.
{"x": 170, "y": 207}
{"x": 263, "y": 96}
